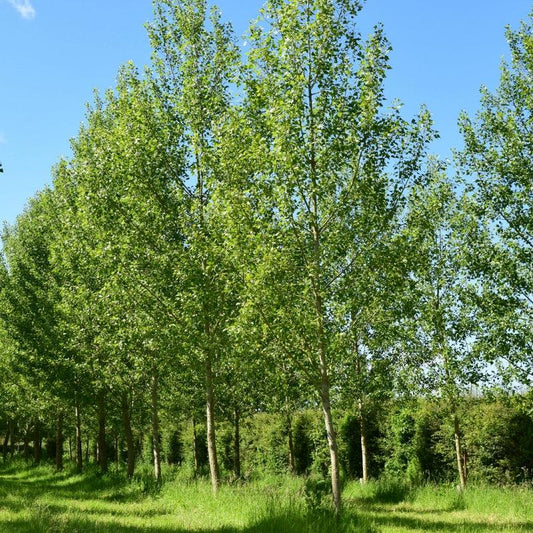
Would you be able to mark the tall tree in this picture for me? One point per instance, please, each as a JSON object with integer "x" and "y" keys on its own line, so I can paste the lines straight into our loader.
{"x": 498, "y": 154}
{"x": 330, "y": 169}
{"x": 440, "y": 226}
{"x": 195, "y": 59}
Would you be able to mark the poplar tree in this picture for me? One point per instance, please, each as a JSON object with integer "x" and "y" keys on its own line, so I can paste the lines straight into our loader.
{"x": 327, "y": 175}
{"x": 498, "y": 155}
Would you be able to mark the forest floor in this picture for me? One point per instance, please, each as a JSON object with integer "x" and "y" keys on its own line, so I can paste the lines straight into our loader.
{"x": 37, "y": 499}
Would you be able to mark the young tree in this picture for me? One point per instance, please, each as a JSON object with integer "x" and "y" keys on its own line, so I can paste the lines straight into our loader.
{"x": 330, "y": 166}
{"x": 195, "y": 60}
{"x": 498, "y": 154}
{"x": 439, "y": 225}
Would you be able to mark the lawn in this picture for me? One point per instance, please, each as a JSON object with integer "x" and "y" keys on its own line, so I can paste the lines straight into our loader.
{"x": 36, "y": 499}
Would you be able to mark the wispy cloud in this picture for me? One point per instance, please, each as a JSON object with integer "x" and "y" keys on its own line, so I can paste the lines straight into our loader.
{"x": 24, "y": 7}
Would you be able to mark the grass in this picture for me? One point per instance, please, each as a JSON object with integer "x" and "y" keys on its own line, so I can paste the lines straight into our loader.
{"x": 36, "y": 499}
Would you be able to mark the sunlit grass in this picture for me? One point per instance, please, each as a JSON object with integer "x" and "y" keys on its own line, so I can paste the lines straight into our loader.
{"x": 36, "y": 499}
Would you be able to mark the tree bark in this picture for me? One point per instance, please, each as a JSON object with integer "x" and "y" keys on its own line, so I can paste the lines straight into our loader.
{"x": 364, "y": 448}
{"x": 458, "y": 451}
{"x": 12, "y": 438}
{"x": 79, "y": 450}
{"x": 37, "y": 442}
{"x": 102, "y": 444}
{"x": 292, "y": 463}
{"x": 211, "y": 432}
{"x": 155, "y": 427}
{"x": 130, "y": 447}
{"x": 237, "y": 445}
{"x": 6, "y": 442}
{"x": 26, "y": 444}
{"x": 59, "y": 441}
{"x": 194, "y": 445}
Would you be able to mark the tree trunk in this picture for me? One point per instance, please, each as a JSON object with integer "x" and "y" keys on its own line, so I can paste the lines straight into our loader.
{"x": 211, "y": 432}
{"x": 155, "y": 427}
{"x": 325, "y": 386}
{"x": 102, "y": 444}
{"x": 37, "y": 442}
{"x": 458, "y": 451}
{"x": 26, "y": 444}
{"x": 59, "y": 442}
{"x": 70, "y": 456}
{"x": 79, "y": 449}
{"x": 332, "y": 443}
{"x": 6, "y": 442}
{"x": 12, "y": 438}
{"x": 130, "y": 447}
{"x": 194, "y": 445}
{"x": 364, "y": 449}
{"x": 292, "y": 463}
{"x": 237, "y": 446}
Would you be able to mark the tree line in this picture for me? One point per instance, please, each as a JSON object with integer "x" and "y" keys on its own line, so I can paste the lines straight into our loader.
{"x": 239, "y": 235}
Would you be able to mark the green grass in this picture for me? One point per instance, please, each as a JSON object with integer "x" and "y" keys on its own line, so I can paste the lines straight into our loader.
{"x": 36, "y": 499}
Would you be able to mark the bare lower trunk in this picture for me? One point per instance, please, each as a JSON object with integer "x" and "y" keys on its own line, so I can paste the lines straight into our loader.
{"x": 12, "y": 438}
{"x": 129, "y": 435}
{"x": 194, "y": 445}
{"x": 292, "y": 463}
{"x": 6, "y": 442}
{"x": 102, "y": 444}
{"x": 59, "y": 442}
{"x": 26, "y": 444}
{"x": 458, "y": 451}
{"x": 79, "y": 452}
{"x": 332, "y": 443}
{"x": 364, "y": 449}
{"x": 37, "y": 442}
{"x": 155, "y": 427}
{"x": 211, "y": 432}
{"x": 237, "y": 446}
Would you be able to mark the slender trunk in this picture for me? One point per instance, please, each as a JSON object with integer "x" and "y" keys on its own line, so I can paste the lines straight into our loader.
{"x": 12, "y": 437}
{"x": 102, "y": 445}
{"x": 332, "y": 443}
{"x": 364, "y": 449}
{"x": 194, "y": 445}
{"x": 130, "y": 447}
{"x": 6, "y": 442}
{"x": 79, "y": 449}
{"x": 87, "y": 448}
{"x": 59, "y": 441}
{"x": 26, "y": 444}
{"x": 458, "y": 451}
{"x": 211, "y": 432}
{"x": 237, "y": 446}
{"x": 292, "y": 463}
{"x": 155, "y": 427}
{"x": 37, "y": 442}
{"x": 324, "y": 379}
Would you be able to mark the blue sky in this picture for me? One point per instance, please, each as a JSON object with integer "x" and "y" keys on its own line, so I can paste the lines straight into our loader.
{"x": 55, "y": 52}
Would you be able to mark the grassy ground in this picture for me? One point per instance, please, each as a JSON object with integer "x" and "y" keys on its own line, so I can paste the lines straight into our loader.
{"x": 36, "y": 499}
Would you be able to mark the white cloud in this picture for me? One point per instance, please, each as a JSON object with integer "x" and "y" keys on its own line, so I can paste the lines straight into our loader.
{"x": 24, "y": 7}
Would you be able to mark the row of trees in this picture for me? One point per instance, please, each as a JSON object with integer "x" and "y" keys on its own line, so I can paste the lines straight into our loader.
{"x": 267, "y": 233}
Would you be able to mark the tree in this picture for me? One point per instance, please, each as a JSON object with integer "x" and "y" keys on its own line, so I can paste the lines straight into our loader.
{"x": 195, "y": 60}
{"x": 327, "y": 175}
{"x": 440, "y": 224}
{"x": 498, "y": 154}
